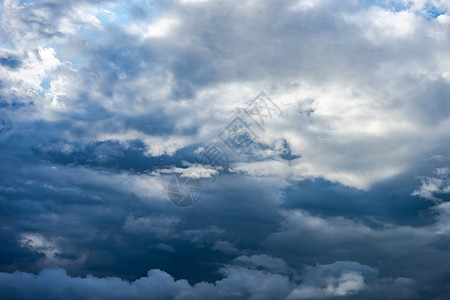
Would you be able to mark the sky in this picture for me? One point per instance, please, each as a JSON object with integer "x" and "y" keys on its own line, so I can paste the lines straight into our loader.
{"x": 200, "y": 149}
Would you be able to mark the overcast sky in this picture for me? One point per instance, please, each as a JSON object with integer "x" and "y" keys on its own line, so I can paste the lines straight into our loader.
{"x": 328, "y": 123}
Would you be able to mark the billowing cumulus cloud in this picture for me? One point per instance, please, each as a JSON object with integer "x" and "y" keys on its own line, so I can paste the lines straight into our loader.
{"x": 338, "y": 279}
{"x": 316, "y": 132}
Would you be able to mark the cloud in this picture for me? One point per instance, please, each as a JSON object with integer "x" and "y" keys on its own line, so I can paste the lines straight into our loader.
{"x": 342, "y": 117}
{"x": 161, "y": 226}
{"x": 432, "y": 186}
{"x": 157, "y": 285}
{"x": 102, "y": 102}
{"x": 225, "y": 247}
{"x": 273, "y": 264}
{"x": 339, "y": 279}
{"x": 165, "y": 247}
{"x": 160, "y": 28}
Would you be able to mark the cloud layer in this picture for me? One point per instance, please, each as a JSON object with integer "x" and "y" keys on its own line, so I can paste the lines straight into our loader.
{"x": 337, "y": 186}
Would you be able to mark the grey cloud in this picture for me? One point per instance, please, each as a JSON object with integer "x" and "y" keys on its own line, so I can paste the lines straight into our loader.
{"x": 273, "y": 264}
{"x": 225, "y": 247}
{"x": 97, "y": 114}
{"x": 334, "y": 280}
{"x": 161, "y": 226}
{"x": 322, "y": 281}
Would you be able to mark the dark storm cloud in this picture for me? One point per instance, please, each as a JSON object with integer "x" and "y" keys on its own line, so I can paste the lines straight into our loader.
{"x": 345, "y": 195}
{"x": 389, "y": 201}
